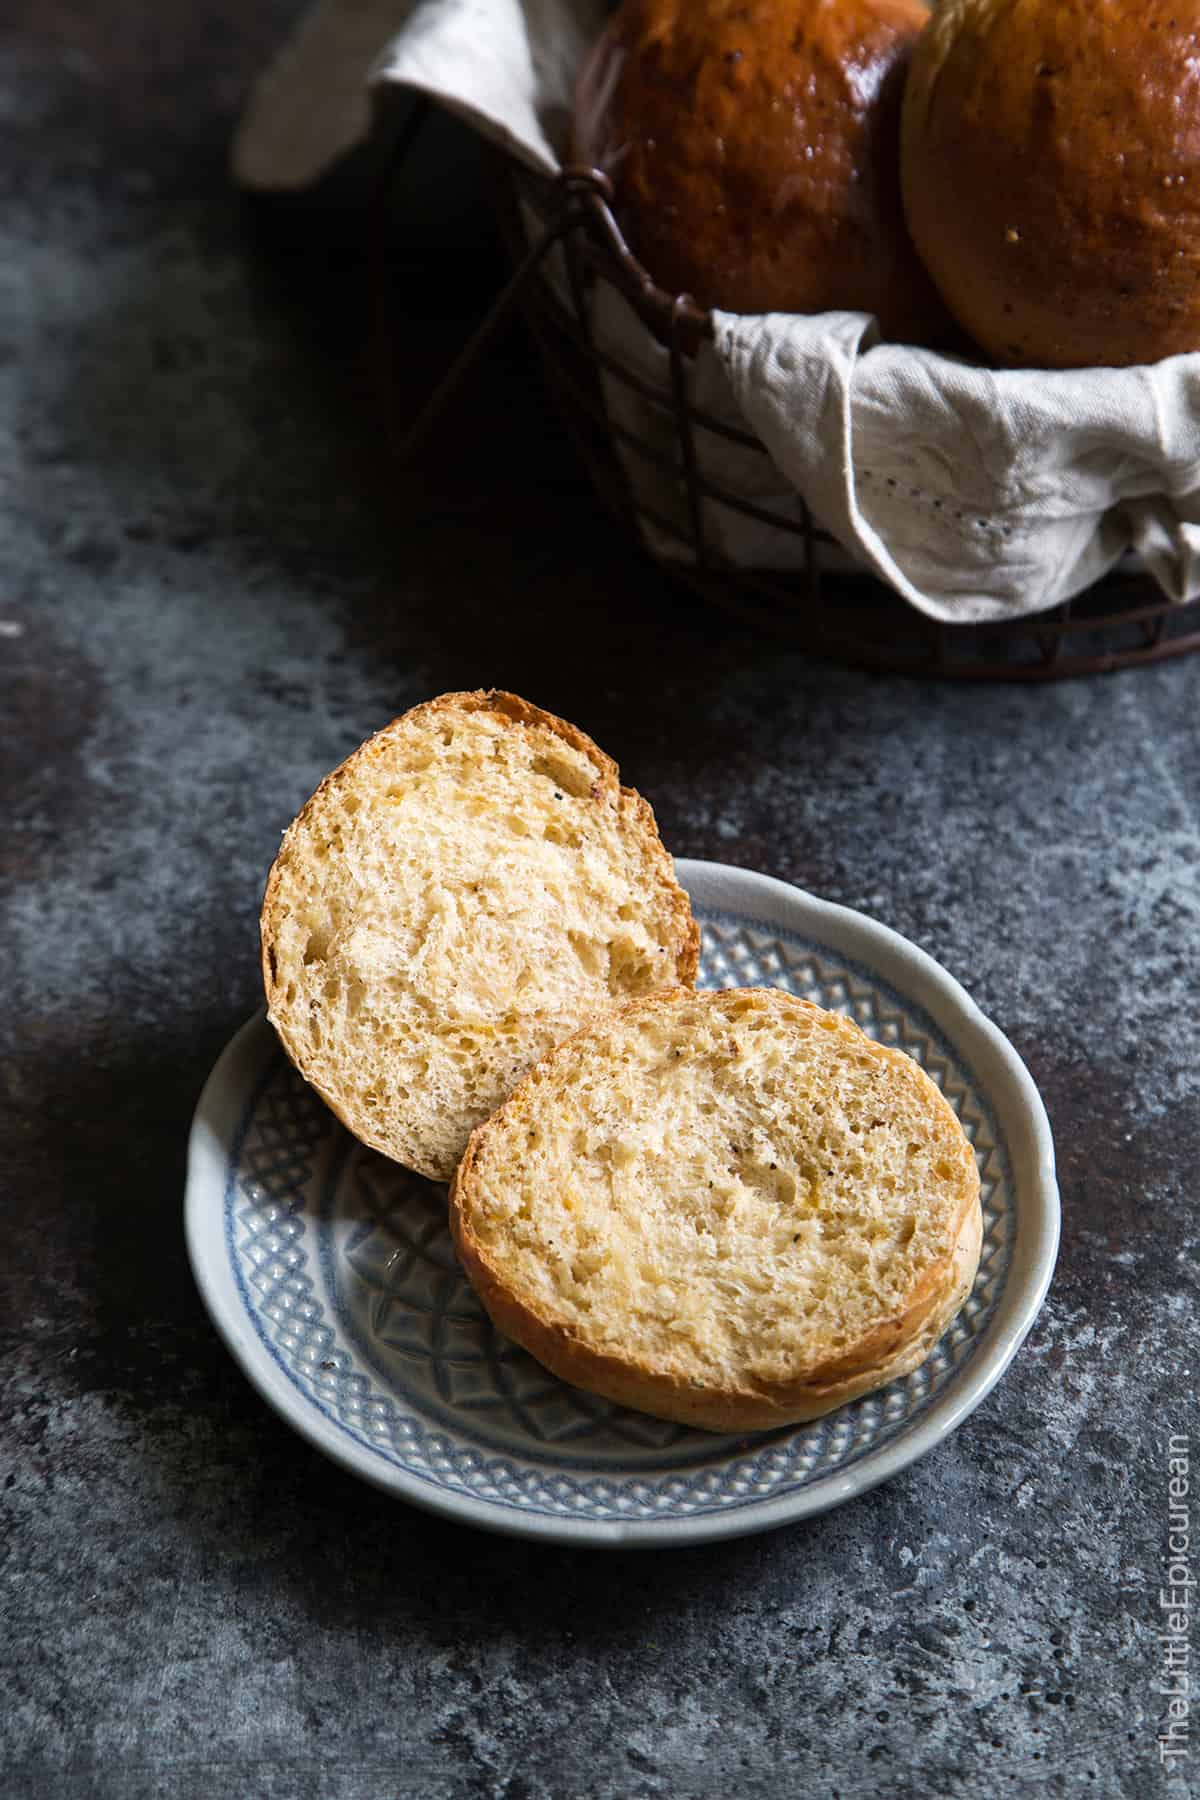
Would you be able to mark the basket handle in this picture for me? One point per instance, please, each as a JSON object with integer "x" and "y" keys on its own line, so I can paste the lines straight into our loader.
{"x": 576, "y": 185}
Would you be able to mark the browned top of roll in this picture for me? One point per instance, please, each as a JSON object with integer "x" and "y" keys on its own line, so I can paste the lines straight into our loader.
{"x": 755, "y": 148}
{"x": 1052, "y": 176}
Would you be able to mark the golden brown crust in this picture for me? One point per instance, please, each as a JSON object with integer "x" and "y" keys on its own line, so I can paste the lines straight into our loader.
{"x": 894, "y": 1347}
{"x": 754, "y": 145}
{"x": 522, "y": 712}
{"x": 638, "y": 822}
{"x": 1051, "y": 174}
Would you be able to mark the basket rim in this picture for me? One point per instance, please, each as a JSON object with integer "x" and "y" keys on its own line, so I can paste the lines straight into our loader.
{"x": 672, "y": 317}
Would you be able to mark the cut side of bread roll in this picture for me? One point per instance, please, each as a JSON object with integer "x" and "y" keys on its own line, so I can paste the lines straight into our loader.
{"x": 730, "y": 1209}
{"x": 468, "y": 888}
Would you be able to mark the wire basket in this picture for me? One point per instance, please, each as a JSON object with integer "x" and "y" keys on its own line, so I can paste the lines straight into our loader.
{"x": 856, "y": 619}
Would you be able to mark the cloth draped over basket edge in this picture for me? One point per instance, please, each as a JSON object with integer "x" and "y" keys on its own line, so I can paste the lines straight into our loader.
{"x": 976, "y": 493}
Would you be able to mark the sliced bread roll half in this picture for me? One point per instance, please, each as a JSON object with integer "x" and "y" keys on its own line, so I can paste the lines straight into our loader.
{"x": 461, "y": 894}
{"x": 730, "y": 1209}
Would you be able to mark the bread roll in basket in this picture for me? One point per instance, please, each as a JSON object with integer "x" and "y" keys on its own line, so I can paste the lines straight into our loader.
{"x": 753, "y": 452}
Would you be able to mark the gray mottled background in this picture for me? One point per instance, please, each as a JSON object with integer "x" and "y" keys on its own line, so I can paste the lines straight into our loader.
{"x": 213, "y": 585}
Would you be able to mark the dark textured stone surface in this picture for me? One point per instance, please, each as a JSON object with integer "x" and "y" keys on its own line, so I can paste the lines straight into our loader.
{"x": 211, "y": 587}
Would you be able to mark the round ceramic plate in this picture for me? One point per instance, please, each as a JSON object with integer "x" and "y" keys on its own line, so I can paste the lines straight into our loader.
{"x": 330, "y": 1274}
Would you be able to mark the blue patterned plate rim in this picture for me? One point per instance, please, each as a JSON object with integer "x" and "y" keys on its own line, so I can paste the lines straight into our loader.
{"x": 864, "y": 950}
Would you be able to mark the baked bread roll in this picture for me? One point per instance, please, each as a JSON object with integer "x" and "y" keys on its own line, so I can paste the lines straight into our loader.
{"x": 1051, "y": 164}
{"x": 463, "y": 892}
{"x": 754, "y": 146}
{"x": 730, "y": 1209}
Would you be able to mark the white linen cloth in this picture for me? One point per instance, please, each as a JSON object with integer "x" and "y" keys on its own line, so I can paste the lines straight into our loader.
{"x": 977, "y": 493}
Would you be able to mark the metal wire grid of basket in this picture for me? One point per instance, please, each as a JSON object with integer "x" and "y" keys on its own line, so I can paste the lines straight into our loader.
{"x": 1124, "y": 621}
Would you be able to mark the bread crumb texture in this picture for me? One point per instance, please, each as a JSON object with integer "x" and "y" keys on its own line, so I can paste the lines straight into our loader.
{"x": 456, "y": 898}
{"x": 733, "y": 1209}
